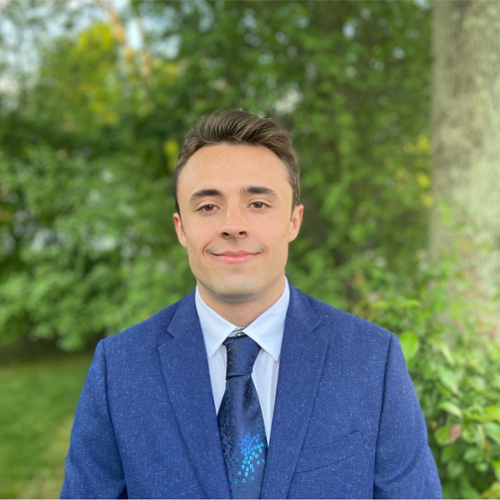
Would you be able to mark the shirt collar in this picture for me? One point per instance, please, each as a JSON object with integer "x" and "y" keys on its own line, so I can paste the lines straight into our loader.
{"x": 267, "y": 329}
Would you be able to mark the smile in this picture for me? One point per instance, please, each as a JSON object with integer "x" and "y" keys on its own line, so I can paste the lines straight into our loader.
{"x": 235, "y": 257}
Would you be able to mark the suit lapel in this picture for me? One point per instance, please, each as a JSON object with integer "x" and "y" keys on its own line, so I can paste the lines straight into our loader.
{"x": 185, "y": 368}
{"x": 301, "y": 364}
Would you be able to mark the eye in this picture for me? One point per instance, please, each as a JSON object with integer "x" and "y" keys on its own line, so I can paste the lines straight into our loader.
{"x": 207, "y": 208}
{"x": 259, "y": 205}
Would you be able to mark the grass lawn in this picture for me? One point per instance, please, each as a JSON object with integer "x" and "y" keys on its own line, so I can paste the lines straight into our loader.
{"x": 37, "y": 404}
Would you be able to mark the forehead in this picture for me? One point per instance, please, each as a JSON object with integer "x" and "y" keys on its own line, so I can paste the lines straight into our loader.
{"x": 233, "y": 166}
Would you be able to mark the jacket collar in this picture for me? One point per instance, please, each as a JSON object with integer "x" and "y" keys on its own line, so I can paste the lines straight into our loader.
{"x": 186, "y": 373}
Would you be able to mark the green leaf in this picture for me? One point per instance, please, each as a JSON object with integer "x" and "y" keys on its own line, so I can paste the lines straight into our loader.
{"x": 448, "y": 379}
{"x": 473, "y": 455}
{"x": 455, "y": 469}
{"x": 492, "y": 492}
{"x": 490, "y": 414}
{"x": 443, "y": 435}
{"x": 451, "y": 408}
{"x": 468, "y": 435}
{"x": 467, "y": 490}
{"x": 496, "y": 468}
{"x": 410, "y": 345}
{"x": 492, "y": 431}
{"x": 445, "y": 351}
{"x": 451, "y": 452}
{"x": 480, "y": 436}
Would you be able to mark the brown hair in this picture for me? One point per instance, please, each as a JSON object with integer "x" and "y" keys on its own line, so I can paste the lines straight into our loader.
{"x": 235, "y": 126}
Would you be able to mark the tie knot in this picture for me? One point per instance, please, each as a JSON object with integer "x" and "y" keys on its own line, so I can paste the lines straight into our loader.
{"x": 242, "y": 352}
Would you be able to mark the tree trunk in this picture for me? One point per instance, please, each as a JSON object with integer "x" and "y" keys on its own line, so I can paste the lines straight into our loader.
{"x": 466, "y": 144}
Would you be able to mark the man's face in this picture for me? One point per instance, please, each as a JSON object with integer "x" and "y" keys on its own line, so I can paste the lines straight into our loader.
{"x": 235, "y": 202}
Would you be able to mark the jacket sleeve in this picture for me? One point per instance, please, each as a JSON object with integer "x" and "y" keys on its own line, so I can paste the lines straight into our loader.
{"x": 93, "y": 465}
{"x": 404, "y": 466}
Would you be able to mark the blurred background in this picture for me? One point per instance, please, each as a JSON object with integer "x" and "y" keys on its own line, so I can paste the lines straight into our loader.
{"x": 394, "y": 107}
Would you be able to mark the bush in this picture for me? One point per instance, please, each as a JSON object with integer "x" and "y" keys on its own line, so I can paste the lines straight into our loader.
{"x": 453, "y": 360}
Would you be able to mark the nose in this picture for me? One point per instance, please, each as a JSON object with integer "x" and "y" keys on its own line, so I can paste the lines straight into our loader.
{"x": 234, "y": 225}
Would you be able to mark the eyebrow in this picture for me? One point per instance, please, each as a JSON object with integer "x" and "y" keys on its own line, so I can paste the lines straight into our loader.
{"x": 202, "y": 193}
{"x": 259, "y": 190}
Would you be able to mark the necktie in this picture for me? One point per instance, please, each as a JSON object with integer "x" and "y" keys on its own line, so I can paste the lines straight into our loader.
{"x": 241, "y": 425}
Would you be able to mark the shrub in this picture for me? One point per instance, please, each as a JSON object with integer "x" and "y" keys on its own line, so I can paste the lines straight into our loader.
{"x": 453, "y": 360}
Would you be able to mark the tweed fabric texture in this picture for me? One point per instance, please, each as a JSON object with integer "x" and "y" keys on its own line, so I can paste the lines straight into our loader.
{"x": 347, "y": 422}
{"x": 241, "y": 424}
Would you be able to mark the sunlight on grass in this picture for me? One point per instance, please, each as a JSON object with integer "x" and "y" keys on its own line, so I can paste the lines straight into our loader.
{"x": 36, "y": 414}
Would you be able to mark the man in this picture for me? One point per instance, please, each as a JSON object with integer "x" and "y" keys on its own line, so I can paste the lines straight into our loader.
{"x": 247, "y": 387}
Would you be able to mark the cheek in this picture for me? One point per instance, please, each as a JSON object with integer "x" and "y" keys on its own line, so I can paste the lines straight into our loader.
{"x": 198, "y": 239}
{"x": 277, "y": 240}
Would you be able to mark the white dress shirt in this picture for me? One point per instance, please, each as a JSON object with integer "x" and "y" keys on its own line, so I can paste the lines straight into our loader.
{"x": 266, "y": 330}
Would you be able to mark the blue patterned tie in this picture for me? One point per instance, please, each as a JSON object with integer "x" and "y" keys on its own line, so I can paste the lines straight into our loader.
{"x": 241, "y": 425}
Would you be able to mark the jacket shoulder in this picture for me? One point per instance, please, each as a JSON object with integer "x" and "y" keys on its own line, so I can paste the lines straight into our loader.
{"x": 150, "y": 332}
{"x": 334, "y": 321}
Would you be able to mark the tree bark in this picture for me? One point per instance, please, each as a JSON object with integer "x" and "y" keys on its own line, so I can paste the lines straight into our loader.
{"x": 466, "y": 144}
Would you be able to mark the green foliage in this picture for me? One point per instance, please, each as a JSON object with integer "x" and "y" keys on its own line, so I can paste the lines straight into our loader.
{"x": 454, "y": 367}
{"x": 351, "y": 81}
{"x": 88, "y": 148}
{"x": 86, "y": 201}
{"x": 85, "y": 252}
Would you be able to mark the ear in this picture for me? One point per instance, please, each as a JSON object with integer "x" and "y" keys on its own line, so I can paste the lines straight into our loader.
{"x": 181, "y": 236}
{"x": 295, "y": 222}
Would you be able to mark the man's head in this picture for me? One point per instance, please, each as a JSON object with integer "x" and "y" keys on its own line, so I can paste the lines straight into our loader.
{"x": 237, "y": 180}
{"x": 235, "y": 126}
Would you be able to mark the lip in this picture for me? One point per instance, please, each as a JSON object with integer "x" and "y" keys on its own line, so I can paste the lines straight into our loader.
{"x": 239, "y": 257}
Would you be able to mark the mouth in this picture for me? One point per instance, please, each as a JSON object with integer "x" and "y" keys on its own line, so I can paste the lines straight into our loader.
{"x": 239, "y": 257}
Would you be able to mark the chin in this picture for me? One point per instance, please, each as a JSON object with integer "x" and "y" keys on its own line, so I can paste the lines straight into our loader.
{"x": 240, "y": 288}
{"x": 236, "y": 293}
{"x": 236, "y": 290}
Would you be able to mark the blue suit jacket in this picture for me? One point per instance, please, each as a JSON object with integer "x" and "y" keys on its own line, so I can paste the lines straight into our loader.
{"x": 347, "y": 423}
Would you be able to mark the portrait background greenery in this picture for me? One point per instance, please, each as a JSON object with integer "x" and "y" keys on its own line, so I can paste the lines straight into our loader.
{"x": 89, "y": 135}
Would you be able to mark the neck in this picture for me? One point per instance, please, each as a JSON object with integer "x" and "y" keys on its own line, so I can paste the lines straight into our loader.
{"x": 244, "y": 311}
